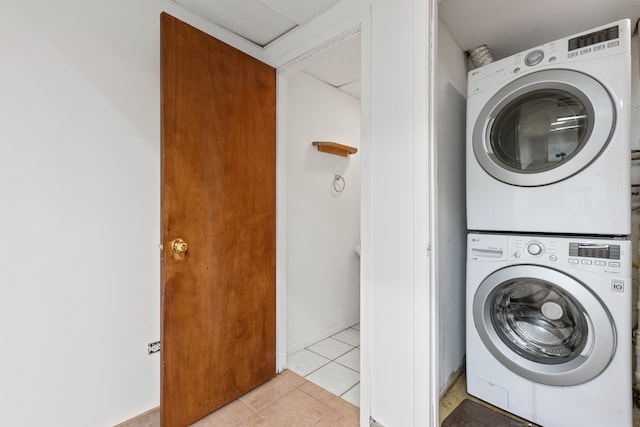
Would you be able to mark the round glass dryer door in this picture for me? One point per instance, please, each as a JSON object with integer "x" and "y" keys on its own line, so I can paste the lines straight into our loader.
{"x": 544, "y": 325}
{"x": 543, "y": 127}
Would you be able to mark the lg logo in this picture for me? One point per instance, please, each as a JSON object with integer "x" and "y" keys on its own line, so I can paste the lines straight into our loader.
{"x": 617, "y": 285}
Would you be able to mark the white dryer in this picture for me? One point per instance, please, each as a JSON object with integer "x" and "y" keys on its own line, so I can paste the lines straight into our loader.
{"x": 548, "y": 137}
{"x": 549, "y": 327}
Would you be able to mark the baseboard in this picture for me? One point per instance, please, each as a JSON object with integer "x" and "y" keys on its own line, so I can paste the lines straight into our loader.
{"x": 350, "y": 321}
{"x": 143, "y": 419}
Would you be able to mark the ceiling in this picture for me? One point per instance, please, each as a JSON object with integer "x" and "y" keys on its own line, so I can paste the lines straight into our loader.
{"x": 339, "y": 66}
{"x": 264, "y": 21}
{"x": 505, "y": 26}
{"x": 511, "y": 26}
{"x": 260, "y": 21}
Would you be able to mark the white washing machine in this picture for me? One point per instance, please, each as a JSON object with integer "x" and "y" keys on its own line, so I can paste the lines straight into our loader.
{"x": 548, "y": 137}
{"x": 549, "y": 327}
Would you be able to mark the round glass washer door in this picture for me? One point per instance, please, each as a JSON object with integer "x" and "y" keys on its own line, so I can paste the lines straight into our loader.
{"x": 543, "y": 127}
{"x": 544, "y": 325}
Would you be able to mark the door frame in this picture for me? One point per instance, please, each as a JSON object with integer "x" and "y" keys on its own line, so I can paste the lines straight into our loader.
{"x": 361, "y": 23}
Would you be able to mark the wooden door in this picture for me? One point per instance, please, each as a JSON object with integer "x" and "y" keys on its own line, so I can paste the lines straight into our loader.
{"x": 218, "y": 194}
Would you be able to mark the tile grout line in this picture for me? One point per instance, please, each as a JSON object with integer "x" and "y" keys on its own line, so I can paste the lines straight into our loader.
{"x": 343, "y": 342}
{"x": 299, "y": 388}
{"x": 254, "y": 410}
{"x": 353, "y": 347}
{"x": 317, "y": 369}
{"x": 345, "y": 366}
{"x": 337, "y": 357}
{"x": 352, "y": 387}
{"x": 333, "y": 360}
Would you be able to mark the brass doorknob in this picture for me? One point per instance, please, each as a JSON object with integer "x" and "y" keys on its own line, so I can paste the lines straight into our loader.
{"x": 179, "y": 246}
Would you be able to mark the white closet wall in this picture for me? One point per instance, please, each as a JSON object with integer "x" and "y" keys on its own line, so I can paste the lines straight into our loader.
{"x": 451, "y": 82}
{"x": 323, "y": 278}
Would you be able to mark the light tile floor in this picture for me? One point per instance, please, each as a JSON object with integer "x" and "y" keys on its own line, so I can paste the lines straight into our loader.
{"x": 288, "y": 400}
{"x": 333, "y": 364}
{"x": 306, "y": 394}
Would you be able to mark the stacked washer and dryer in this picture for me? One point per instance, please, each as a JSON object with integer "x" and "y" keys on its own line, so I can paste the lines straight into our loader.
{"x": 548, "y": 250}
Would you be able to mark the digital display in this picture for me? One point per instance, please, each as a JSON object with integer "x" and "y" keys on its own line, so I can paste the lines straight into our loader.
{"x": 593, "y": 38}
{"x": 594, "y": 250}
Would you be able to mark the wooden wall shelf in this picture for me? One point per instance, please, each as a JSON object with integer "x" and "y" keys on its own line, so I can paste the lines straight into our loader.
{"x": 334, "y": 148}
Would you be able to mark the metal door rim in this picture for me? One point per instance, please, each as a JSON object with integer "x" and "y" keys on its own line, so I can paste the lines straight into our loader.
{"x": 579, "y": 370}
{"x": 592, "y": 94}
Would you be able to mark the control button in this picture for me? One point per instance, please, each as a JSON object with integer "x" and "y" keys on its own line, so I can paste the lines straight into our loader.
{"x": 598, "y": 47}
{"x": 535, "y": 248}
{"x": 613, "y": 44}
{"x": 601, "y": 263}
{"x": 534, "y": 57}
{"x": 572, "y": 54}
{"x": 516, "y": 255}
{"x": 552, "y": 59}
{"x": 516, "y": 70}
{"x": 583, "y": 51}
{"x": 614, "y": 264}
{"x": 573, "y": 261}
{"x": 553, "y": 258}
{"x": 586, "y": 262}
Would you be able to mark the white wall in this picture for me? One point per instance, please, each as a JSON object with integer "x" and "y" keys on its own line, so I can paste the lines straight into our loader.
{"x": 451, "y": 220}
{"x": 79, "y": 168}
{"x": 323, "y": 226}
{"x": 396, "y": 216}
{"x": 80, "y": 210}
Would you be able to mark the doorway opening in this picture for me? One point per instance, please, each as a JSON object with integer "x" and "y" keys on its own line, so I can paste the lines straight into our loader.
{"x": 323, "y": 219}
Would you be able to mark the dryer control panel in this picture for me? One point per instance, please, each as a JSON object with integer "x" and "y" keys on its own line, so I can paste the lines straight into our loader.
{"x": 612, "y": 256}
{"x": 604, "y": 35}
{"x": 598, "y": 43}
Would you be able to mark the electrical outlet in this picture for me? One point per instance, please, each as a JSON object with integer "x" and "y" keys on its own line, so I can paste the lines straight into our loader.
{"x": 153, "y": 347}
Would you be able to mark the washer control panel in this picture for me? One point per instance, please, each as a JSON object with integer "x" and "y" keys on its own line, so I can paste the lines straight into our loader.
{"x": 539, "y": 248}
{"x": 597, "y": 254}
